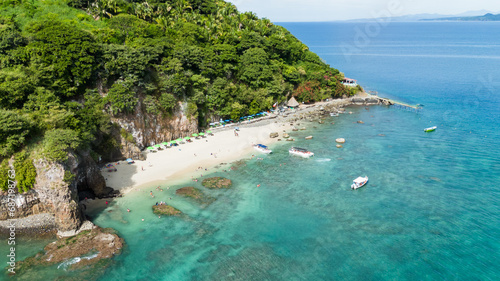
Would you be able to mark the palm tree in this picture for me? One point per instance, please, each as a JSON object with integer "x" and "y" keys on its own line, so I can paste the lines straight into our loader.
{"x": 180, "y": 6}
{"x": 162, "y": 22}
{"x": 143, "y": 10}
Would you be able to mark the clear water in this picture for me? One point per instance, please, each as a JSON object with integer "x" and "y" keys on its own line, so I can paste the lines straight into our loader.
{"x": 429, "y": 212}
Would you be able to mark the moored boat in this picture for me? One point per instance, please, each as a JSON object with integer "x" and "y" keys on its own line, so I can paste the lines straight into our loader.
{"x": 359, "y": 182}
{"x": 300, "y": 152}
{"x": 430, "y": 129}
{"x": 262, "y": 148}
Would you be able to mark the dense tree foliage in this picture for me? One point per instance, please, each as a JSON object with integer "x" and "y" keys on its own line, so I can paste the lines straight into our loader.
{"x": 68, "y": 65}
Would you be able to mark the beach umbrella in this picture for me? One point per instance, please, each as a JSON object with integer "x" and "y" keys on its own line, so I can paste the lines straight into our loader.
{"x": 179, "y": 140}
{"x": 157, "y": 145}
{"x": 187, "y": 138}
{"x": 201, "y": 134}
{"x": 165, "y": 143}
{"x": 209, "y": 132}
{"x": 173, "y": 141}
{"x": 195, "y": 135}
{"x": 150, "y": 148}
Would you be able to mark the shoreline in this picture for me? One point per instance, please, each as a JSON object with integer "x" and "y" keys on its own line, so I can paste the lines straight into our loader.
{"x": 183, "y": 161}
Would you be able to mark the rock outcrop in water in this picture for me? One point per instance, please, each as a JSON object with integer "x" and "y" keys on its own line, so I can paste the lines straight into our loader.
{"x": 196, "y": 194}
{"x": 165, "y": 210}
{"x": 216, "y": 182}
{"x": 85, "y": 250}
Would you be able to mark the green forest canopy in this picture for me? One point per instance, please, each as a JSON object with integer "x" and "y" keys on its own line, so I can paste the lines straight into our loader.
{"x": 66, "y": 66}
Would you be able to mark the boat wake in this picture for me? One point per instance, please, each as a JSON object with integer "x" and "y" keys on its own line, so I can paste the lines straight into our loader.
{"x": 323, "y": 160}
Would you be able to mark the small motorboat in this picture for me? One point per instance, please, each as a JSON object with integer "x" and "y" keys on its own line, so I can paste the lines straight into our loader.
{"x": 334, "y": 114}
{"x": 300, "y": 152}
{"x": 431, "y": 129}
{"x": 262, "y": 148}
{"x": 359, "y": 182}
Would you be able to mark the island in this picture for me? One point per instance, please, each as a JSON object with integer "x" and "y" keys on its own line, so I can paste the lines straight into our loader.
{"x": 86, "y": 85}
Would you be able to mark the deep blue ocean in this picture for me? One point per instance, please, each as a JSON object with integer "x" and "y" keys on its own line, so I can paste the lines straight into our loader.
{"x": 431, "y": 210}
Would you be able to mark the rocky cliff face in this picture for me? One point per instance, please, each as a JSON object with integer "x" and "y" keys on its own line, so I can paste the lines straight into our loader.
{"x": 58, "y": 186}
{"x": 56, "y": 191}
{"x": 149, "y": 129}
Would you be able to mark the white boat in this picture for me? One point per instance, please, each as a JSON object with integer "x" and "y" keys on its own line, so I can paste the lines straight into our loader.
{"x": 334, "y": 114}
{"x": 300, "y": 152}
{"x": 262, "y": 148}
{"x": 430, "y": 129}
{"x": 359, "y": 182}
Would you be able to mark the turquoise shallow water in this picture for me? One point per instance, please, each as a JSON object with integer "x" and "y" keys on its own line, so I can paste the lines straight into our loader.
{"x": 429, "y": 212}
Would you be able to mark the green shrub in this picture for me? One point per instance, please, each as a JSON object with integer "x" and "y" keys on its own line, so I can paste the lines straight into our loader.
{"x": 25, "y": 171}
{"x": 58, "y": 141}
{"x": 14, "y": 129}
{"x": 192, "y": 110}
{"x": 167, "y": 101}
{"x": 121, "y": 98}
{"x": 4, "y": 174}
{"x": 127, "y": 136}
{"x": 68, "y": 177}
{"x": 151, "y": 105}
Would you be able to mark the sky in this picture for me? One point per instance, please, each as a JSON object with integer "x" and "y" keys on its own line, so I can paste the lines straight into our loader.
{"x": 331, "y": 10}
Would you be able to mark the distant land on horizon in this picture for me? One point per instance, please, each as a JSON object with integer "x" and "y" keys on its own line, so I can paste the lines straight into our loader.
{"x": 486, "y": 17}
{"x": 426, "y": 17}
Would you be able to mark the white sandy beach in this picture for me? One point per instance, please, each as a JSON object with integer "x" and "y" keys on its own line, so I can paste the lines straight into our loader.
{"x": 183, "y": 160}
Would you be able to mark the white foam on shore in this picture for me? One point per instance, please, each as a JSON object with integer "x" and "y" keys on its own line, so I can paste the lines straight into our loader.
{"x": 65, "y": 264}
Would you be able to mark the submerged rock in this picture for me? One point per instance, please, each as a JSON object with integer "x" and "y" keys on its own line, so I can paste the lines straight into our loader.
{"x": 238, "y": 164}
{"x": 165, "y": 210}
{"x": 217, "y": 182}
{"x": 195, "y": 194}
